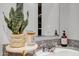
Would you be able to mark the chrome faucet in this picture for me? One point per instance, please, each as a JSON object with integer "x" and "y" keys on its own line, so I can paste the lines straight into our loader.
{"x": 52, "y": 49}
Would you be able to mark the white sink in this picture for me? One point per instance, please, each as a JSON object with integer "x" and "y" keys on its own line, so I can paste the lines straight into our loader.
{"x": 58, "y": 52}
{"x": 41, "y": 53}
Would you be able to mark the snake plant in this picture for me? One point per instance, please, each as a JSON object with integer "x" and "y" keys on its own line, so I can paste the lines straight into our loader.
{"x": 16, "y": 22}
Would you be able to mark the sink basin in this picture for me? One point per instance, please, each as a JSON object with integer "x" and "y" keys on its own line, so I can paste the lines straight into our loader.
{"x": 58, "y": 52}
{"x": 41, "y": 53}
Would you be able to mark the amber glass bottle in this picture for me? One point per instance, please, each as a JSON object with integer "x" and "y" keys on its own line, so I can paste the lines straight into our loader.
{"x": 64, "y": 40}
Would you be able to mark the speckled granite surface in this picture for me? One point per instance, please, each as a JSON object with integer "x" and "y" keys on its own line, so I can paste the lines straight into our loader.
{"x": 73, "y": 44}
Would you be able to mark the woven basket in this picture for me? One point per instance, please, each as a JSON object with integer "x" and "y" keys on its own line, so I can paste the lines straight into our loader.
{"x": 17, "y": 41}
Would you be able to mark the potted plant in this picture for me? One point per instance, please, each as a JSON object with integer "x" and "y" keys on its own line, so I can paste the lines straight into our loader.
{"x": 17, "y": 24}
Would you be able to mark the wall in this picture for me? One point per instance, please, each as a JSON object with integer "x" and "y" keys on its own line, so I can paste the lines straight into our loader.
{"x": 50, "y": 18}
{"x": 33, "y": 19}
{"x": 69, "y": 18}
{"x": 67, "y": 14}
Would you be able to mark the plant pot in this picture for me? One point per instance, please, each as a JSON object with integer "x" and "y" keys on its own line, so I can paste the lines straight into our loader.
{"x": 17, "y": 41}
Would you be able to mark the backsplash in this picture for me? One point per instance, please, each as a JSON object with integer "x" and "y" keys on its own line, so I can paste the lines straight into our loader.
{"x": 74, "y": 43}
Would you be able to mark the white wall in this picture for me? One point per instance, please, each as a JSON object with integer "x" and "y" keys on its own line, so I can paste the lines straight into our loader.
{"x": 33, "y": 16}
{"x": 69, "y": 18}
{"x": 33, "y": 20}
{"x": 68, "y": 14}
{"x": 50, "y": 18}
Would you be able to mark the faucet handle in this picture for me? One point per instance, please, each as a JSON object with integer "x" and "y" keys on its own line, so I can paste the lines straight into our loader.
{"x": 52, "y": 49}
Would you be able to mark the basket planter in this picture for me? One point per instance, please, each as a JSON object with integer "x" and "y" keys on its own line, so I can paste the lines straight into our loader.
{"x": 17, "y": 40}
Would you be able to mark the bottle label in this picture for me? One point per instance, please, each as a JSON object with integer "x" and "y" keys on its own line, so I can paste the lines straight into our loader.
{"x": 64, "y": 41}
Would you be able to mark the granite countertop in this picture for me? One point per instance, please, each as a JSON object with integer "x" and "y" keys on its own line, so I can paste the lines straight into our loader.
{"x": 73, "y": 44}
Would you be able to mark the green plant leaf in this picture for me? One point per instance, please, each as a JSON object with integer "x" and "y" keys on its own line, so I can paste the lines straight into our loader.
{"x": 5, "y": 18}
{"x": 23, "y": 26}
{"x": 11, "y": 14}
{"x": 16, "y": 21}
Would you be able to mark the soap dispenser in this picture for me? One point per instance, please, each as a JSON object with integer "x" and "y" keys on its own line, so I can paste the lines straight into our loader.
{"x": 64, "y": 39}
